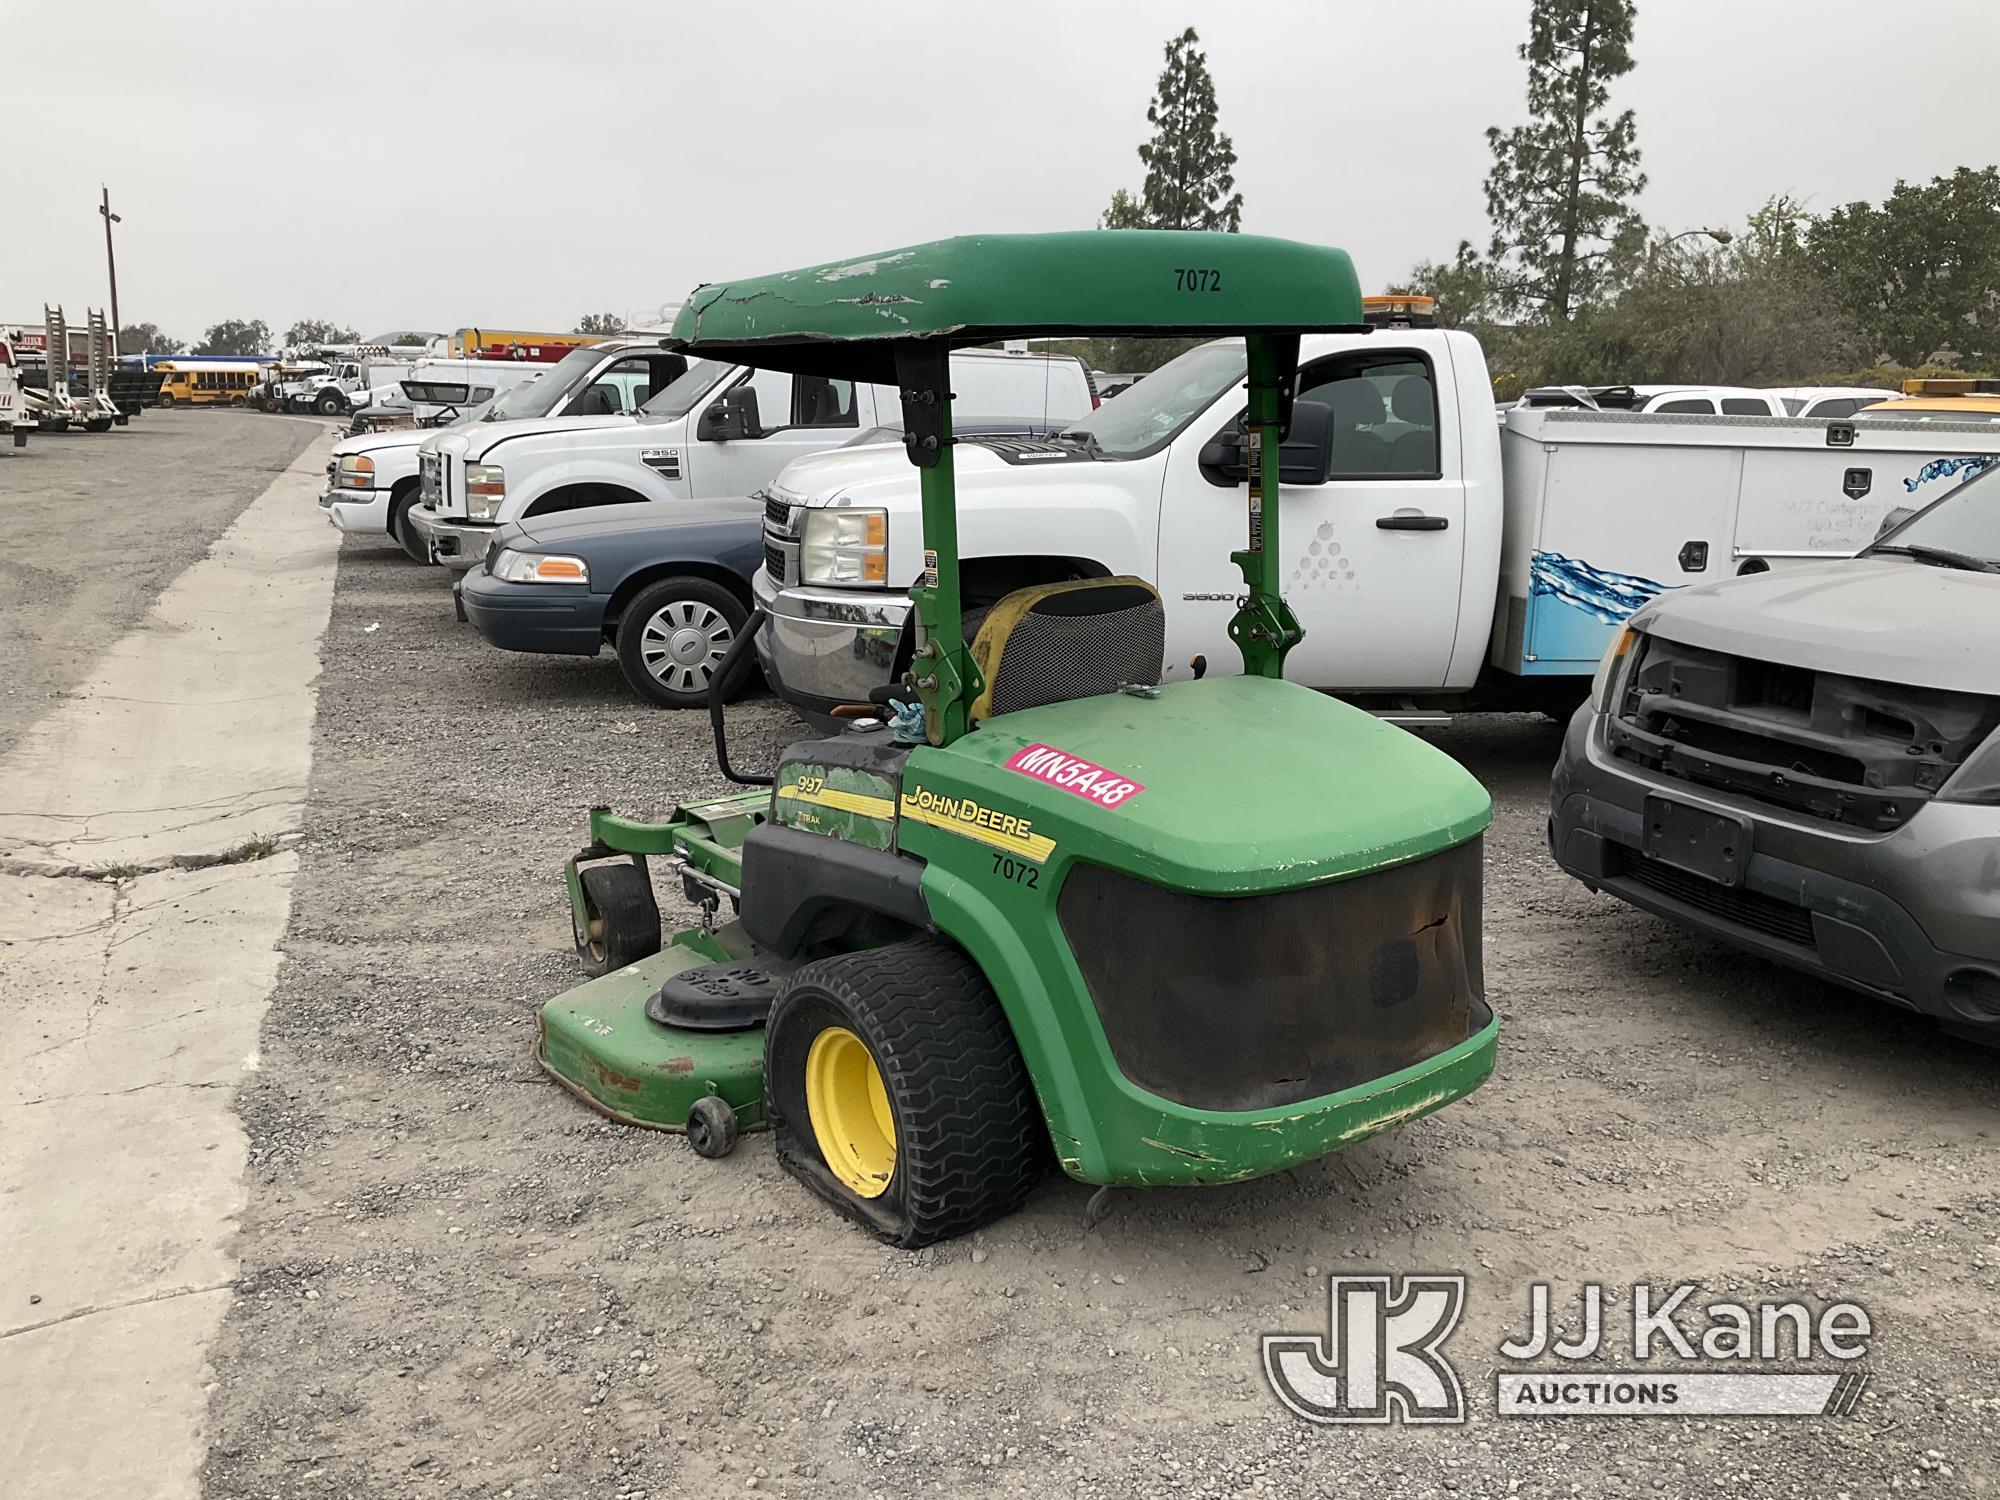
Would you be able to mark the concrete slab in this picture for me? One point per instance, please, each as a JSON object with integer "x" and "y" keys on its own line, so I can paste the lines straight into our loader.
{"x": 193, "y": 735}
{"x": 135, "y": 1002}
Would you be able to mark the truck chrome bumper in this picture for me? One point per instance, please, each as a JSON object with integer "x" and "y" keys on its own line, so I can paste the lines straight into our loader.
{"x": 363, "y": 511}
{"x": 824, "y": 647}
{"x": 455, "y": 541}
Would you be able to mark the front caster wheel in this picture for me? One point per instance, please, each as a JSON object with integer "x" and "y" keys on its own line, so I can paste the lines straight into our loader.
{"x": 621, "y": 920}
{"x": 711, "y": 1127}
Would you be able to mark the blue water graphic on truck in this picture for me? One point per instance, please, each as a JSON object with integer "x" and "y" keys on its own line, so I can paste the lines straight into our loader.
{"x": 1573, "y": 610}
{"x": 1946, "y": 468}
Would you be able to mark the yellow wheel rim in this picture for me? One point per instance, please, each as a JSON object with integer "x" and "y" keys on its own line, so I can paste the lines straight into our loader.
{"x": 849, "y": 1108}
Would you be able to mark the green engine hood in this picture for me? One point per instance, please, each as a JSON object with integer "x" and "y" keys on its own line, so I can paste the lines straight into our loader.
{"x": 1248, "y": 785}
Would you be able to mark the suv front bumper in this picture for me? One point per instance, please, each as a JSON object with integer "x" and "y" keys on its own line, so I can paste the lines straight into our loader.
{"x": 825, "y": 647}
{"x": 1911, "y": 917}
{"x": 455, "y": 541}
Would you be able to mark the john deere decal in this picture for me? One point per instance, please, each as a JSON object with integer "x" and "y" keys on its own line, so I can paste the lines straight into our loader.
{"x": 1074, "y": 774}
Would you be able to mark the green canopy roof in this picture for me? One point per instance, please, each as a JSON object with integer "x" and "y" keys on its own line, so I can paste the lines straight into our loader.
{"x": 845, "y": 318}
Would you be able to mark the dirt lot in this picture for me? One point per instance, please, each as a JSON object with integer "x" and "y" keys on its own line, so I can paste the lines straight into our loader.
{"x": 99, "y": 523}
{"x": 458, "y": 1281}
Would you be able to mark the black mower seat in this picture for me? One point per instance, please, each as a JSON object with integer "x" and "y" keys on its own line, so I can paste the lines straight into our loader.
{"x": 1056, "y": 642}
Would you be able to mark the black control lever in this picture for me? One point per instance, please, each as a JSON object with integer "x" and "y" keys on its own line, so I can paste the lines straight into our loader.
{"x": 723, "y": 674}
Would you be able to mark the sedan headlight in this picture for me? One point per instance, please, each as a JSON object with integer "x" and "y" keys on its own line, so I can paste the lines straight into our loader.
{"x": 1611, "y": 670}
{"x": 356, "y": 472}
{"x": 845, "y": 547}
{"x": 485, "y": 488}
{"x": 537, "y": 567}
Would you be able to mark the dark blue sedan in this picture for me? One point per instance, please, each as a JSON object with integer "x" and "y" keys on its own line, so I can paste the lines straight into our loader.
{"x": 667, "y": 586}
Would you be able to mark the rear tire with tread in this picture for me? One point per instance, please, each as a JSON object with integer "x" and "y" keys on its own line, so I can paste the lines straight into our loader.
{"x": 970, "y": 1142}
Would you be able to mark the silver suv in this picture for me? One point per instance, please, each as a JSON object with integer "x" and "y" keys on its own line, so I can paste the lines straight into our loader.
{"x": 1807, "y": 764}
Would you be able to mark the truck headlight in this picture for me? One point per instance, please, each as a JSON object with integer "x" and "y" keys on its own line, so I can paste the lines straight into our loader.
{"x": 356, "y": 472}
{"x": 844, "y": 547}
{"x": 485, "y": 488}
{"x": 1611, "y": 670}
{"x": 537, "y": 567}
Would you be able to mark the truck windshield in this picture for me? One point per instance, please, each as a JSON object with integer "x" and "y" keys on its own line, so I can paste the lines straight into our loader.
{"x": 548, "y": 390}
{"x": 1961, "y": 530}
{"x": 1147, "y": 416}
{"x": 680, "y": 395}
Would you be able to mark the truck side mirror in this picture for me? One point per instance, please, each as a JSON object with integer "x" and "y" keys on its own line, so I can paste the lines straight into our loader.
{"x": 1894, "y": 519}
{"x": 1304, "y": 457}
{"x": 730, "y": 417}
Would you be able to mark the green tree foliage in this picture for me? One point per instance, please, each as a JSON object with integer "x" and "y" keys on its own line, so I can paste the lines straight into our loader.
{"x": 1561, "y": 189}
{"x": 1463, "y": 286}
{"x": 599, "y": 323}
{"x": 146, "y": 338}
{"x": 310, "y": 333}
{"x": 1734, "y": 315}
{"x": 234, "y": 336}
{"x": 1190, "y": 164}
{"x": 1920, "y": 271}
{"x": 1126, "y": 212}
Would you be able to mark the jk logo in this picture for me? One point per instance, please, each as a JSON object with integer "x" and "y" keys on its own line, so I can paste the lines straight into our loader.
{"x": 1382, "y": 1361}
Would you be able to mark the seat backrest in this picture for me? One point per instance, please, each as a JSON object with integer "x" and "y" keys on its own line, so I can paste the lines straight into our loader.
{"x": 1055, "y": 642}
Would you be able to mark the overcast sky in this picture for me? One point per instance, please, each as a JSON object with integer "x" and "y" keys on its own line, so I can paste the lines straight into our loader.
{"x": 436, "y": 164}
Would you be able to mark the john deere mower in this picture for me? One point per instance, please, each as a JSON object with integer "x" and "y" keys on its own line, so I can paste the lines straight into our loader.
{"x": 1033, "y": 903}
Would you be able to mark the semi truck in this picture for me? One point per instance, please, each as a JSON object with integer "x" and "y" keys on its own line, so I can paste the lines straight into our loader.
{"x": 1440, "y": 561}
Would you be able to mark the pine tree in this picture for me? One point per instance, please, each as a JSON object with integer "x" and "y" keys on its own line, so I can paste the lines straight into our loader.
{"x": 1190, "y": 165}
{"x": 1561, "y": 188}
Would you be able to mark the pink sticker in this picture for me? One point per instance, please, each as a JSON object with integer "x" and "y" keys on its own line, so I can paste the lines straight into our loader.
{"x": 1073, "y": 774}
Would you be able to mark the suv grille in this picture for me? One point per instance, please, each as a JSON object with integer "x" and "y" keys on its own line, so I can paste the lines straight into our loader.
{"x": 1253, "y": 1002}
{"x": 1732, "y": 904}
{"x": 1853, "y": 751}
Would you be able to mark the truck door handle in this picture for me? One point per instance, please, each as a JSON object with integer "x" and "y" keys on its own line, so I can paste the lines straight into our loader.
{"x": 1412, "y": 523}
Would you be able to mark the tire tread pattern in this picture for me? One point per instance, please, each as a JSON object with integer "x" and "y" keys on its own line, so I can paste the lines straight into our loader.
{"x": 972, "y": 1143}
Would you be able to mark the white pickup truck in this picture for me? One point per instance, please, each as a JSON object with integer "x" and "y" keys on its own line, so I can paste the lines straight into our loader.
{"x": 1438, "y": 561}
{"x": 718, "y": 430}
{"x": 372, "y": 480}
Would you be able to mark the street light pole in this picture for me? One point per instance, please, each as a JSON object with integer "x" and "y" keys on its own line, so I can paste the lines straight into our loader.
{"x": 111, "y": 263}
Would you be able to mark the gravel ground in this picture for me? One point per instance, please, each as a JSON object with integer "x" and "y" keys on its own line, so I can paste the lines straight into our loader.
{"x": 99, "y": 523}
{"x": 460, "y": 1282}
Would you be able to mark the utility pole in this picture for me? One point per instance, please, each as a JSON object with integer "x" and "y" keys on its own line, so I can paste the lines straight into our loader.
{"x": 111, "y": 263}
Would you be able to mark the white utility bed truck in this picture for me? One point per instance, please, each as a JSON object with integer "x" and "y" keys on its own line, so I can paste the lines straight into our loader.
{"x": 1438, "y": 561}
{"x": 718, "y": 430}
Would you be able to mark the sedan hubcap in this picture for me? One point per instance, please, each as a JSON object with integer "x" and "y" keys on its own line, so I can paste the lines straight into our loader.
{"x": 683, "y": 643}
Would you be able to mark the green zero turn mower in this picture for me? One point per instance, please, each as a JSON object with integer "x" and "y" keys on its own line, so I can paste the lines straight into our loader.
{"x": 1183, "y": 934}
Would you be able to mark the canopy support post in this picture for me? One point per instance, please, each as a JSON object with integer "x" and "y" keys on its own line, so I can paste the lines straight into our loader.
{"x": 1264, "y": 627}
{"x": 946, "y": 678}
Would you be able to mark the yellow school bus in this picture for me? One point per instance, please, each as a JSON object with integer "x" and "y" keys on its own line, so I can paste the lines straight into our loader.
{"x": 209, "y": 383}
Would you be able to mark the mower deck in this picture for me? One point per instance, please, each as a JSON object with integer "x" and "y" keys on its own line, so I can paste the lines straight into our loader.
{"x": 597, "y": 1042}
